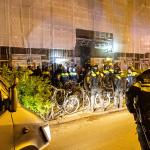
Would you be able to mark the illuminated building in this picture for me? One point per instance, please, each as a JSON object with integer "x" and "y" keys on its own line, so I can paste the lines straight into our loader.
{"x": 45, "y": 31}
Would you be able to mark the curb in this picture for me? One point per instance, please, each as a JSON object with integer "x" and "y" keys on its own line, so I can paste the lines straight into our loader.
{"x": 83, "y": 115}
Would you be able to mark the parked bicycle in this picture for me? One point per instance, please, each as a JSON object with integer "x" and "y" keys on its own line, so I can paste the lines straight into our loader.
{"x": 103, "y": 100}
{"x": 83, "y": 96}
{"x": 64, "y": 102}
{"x": 106, "y": 96}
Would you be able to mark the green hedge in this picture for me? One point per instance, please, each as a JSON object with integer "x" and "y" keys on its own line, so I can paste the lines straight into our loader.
{"x": 33, "y": 92}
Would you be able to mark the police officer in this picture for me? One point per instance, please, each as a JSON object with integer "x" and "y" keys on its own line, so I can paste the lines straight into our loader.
{"x": 63, "y": 77}
{"x": 46, "y": 73}
{"x": 30, "y": 70}
{"x": 131, "y": 74}
{"x": 117, "y": 69}
{"x": 73, "y": 76}
{"x": 82, "y": 75}
{"x": 117, "y": 86}
{"x": 108, "y": 79}
{"x": 138, "y": 103}
{"x": 37, "y": 71}
{"x": 94, "y": 81}
{"x": 56, "y": 74}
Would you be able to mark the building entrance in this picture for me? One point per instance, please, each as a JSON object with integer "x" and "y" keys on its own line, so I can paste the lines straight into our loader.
{"x": 93, "y": 44}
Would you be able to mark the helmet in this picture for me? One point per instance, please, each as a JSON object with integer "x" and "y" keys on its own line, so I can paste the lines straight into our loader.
{"x": 64, "y": 69}
{"x": 73, "y": 69}
{"x": 110, "y": 64}
{"x": 95, "y": 67}
{"x": 106, "y": 67}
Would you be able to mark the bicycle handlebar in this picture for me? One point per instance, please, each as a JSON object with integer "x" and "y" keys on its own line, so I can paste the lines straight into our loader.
{"x": 56, "y": 89}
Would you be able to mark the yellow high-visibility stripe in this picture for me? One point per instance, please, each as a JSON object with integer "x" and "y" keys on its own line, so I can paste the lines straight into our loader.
{"x": 145, "y": 89}
{"x": 145, "y": 85}
{"x": 137, "y": 84}
{"x": 73, "y": 73}
{"x": 97, "y": 73}
{"x": 147, "y": 81}
{"x": 64, "y": 74}
{"x": 93, "y": 74}
{"x": 101, "y": 74}
{"x": 106, "y": 71}
{"x": 45, "y": 73}
{"x": 118, "y": 76}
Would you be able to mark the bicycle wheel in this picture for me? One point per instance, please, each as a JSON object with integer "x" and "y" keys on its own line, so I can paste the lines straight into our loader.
{"x": 98, "y": 101}
{"x": 86, "y": 101}
{"x": 102, "y": 101}
{"x": 55, "y": 111}
{"x": 71, "y": 104}
{"x": 107, "y": 100}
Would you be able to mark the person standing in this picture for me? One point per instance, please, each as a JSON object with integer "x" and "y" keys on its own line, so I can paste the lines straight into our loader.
{"x": 82, "y": 75}
{"x": 94, "y": 82}
{"x": 63, "y": 78}
{"x": 117, "y": 86}
{"x": 138, "y": 103}
{"x": 73, "y": 76}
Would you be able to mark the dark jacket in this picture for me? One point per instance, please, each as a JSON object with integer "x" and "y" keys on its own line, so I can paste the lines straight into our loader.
{"x": 94, "y": 80}
{"x": 139, "y": 91}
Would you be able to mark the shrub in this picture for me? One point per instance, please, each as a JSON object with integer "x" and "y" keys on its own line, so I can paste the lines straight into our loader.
{"x": 35, "y": 94}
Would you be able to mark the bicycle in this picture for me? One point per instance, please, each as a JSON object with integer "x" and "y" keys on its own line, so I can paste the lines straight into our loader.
{"x": 83, "y": 96}
{"x": 102, "y": 100}
{"x": 102, "y": 97}
{"x": 78, "y": 91}
{"x": 63, "y": 102}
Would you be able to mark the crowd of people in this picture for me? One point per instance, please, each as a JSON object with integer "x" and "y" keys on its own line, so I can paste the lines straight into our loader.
{"x": 109, "y": 78}
{"x": 94, "y": 79}
{"x": 60, "y": 74}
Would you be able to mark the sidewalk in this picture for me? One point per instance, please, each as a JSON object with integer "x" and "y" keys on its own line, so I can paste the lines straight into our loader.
{"x": 81, "y": 115}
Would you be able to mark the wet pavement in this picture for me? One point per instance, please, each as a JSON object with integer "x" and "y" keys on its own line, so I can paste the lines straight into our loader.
{"x": 114, "y": 131}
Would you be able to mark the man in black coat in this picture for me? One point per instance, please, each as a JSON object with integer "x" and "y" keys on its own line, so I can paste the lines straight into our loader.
{"x": 138, "y": 103}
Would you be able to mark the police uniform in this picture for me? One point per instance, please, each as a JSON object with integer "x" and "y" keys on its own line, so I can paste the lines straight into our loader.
{"x": 131, "y": 74}
{"x": 46, "y": 74}
{"x": 64, "y": 77}
{"x": 94, "y": 81}
{"x": 138, "y": 103}
{"x": 107, "y": 80}
{"x": 117, "y": 87}
{"x": 82, "y": 75}
{"x": 73, "y": 76}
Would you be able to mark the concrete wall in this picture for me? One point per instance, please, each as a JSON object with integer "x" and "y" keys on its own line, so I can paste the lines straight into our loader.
{"x": 52, "y": 23}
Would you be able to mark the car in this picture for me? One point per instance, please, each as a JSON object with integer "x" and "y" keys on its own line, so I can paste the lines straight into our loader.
{"x": 20, "y": 129}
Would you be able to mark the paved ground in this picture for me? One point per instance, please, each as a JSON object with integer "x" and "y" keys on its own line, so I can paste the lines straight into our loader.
{"x": 114, "y": 131}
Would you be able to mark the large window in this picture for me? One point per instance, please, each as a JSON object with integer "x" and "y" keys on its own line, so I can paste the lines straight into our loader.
{"x": 3, "y": 53}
